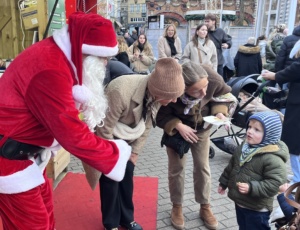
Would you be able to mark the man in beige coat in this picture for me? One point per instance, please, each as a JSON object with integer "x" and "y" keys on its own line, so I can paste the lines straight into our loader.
{"x": 133, "y": 104}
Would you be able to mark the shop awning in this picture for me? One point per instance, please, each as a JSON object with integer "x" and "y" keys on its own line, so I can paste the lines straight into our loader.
{"x": 119, "y": 24}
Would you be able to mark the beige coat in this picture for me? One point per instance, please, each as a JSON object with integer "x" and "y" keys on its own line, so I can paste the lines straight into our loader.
{"x": 164, "y": 49}
{"x": 208, "y": 54}
{"x": 125, "y": 96}
{"x": 140, "y": 64}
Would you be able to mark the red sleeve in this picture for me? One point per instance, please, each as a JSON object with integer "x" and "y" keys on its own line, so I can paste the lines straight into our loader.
{"x": 49, "y": 98}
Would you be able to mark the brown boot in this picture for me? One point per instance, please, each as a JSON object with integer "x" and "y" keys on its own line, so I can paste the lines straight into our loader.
{"x": 177, "y": 218}
{"x": 208, "y": 217}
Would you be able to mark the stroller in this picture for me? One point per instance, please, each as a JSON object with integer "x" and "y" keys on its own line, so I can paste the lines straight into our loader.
{"x": 253, "y": 89}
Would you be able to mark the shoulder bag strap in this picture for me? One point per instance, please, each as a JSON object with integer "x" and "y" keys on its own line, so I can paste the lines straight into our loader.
{"x": 200, "y": 58}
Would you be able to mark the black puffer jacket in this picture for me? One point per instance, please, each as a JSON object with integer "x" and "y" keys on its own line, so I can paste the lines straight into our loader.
{"x": 248, "y": 60}
{"x": 282, "y": 58}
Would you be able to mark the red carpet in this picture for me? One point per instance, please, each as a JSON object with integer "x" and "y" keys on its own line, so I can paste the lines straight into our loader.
{"x": 77, "y": 207}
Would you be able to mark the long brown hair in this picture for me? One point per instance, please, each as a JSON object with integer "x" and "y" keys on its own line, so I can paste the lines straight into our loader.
{"x": 195, "y": 37}
{"x": 146, "y": 47}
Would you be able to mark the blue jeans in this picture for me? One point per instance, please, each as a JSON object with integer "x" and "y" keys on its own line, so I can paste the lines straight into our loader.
{"x": 249, "y": 219}
{"x": 295, "y": 164}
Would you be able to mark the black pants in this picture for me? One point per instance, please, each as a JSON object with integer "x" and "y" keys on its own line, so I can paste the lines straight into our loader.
{"x": 220, "y": 70}
{"x": 116, "y": 199}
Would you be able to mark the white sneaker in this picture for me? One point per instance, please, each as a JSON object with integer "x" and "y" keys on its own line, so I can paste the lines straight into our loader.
{"x": 290, "y": 177}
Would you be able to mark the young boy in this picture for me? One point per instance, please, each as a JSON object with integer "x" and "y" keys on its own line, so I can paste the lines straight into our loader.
{"x": 256, "y": 170}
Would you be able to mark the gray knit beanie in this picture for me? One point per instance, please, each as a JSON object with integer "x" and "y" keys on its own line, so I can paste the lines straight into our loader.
{"x": 166, "y": 81}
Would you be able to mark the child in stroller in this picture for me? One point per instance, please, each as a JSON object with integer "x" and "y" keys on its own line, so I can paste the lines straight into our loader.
{"x": 249, "y": 92}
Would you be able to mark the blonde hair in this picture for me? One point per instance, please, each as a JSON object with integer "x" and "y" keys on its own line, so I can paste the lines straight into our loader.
{"x": 122, "y": 44}
{"x": 192, "y": 72}
{"x": 166, "y": 29}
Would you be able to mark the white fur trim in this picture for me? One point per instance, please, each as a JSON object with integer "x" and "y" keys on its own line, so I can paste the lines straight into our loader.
{"x": 81, "y": 93}
{"x": 54, "y": 146}
{"x": 62, "y": 40}
{"x": 22, "y": 181}
{"x": 295, "y": 49}
{"x": 118, "y": 171}
{"x": 125, "y": 132}
{"x": 99, "y": 51}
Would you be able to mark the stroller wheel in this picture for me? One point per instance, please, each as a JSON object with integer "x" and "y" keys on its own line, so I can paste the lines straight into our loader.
{"x": 211, "y": 152}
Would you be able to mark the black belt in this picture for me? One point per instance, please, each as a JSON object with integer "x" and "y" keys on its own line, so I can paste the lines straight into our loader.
{"x": 15, "y": 150}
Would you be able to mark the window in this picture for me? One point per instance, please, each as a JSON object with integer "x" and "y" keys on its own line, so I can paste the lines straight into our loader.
{"x": 131, "y": 8}
{"x": 137, "y": 7}
{"x": 144, "y": 9}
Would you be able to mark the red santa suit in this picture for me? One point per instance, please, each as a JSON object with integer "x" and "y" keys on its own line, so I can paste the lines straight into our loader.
{"x": 37, "y": 107}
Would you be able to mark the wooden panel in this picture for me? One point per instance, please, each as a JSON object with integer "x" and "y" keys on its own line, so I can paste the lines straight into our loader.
{"x": 58, "y": 163}
{"x": 7, "y": 41}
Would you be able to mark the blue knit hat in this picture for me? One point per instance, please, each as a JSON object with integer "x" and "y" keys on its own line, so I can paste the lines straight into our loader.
{"x": 272, "y": 126}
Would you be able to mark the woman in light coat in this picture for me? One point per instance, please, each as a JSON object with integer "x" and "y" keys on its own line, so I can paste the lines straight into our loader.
{"x": 201, "y": 49}
{"x": 141, "y": 55}
{"x": 169, "y": 45}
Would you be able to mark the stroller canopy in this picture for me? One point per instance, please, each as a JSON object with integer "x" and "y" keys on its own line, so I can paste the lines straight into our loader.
{"x": 246, "y": 83}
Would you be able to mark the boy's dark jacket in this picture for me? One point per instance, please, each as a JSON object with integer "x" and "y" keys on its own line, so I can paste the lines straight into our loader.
{"x": 264, "y": 173}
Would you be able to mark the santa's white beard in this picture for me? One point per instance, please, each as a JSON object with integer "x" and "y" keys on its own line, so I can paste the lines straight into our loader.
{"x": 95, "y": 107}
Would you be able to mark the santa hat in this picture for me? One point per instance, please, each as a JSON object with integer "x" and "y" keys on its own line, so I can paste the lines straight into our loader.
{"x": 90, "y": 34}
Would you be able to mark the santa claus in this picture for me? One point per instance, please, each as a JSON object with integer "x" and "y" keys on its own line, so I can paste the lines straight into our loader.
{"x": 42, "y": 94}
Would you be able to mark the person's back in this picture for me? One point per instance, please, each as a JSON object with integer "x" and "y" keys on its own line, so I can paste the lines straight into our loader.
{"x": 134, "y": 35}
{"x": 128, "y": 39}
{"x": 256, "y": 170}
{"x": 282, "y": 58}
{"x": 122, "y": 55}
{"x": 273, "y": 47}
{"x": 248, "y": 60}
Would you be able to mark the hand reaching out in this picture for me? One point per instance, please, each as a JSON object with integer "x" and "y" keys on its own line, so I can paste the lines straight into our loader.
{"x": 222, "y": 117}
{"x": 268, "y": 75}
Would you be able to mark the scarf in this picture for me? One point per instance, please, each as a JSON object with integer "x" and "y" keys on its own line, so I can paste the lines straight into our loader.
{"x": 201, "y": 41}
{"x": 248, "y": 152}
{"x": 141, "y": 46}
{"x": 186, "y": 99}
{"x": 171, "y": 42}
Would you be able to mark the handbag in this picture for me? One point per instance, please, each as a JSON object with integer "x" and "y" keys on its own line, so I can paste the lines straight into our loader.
{"x": 294, "y": 223}
{"x": 176, "y": 142}
{"x": 275, "y": 100}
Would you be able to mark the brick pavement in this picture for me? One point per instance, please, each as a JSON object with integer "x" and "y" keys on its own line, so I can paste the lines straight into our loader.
{"x": 153, "y": 162}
